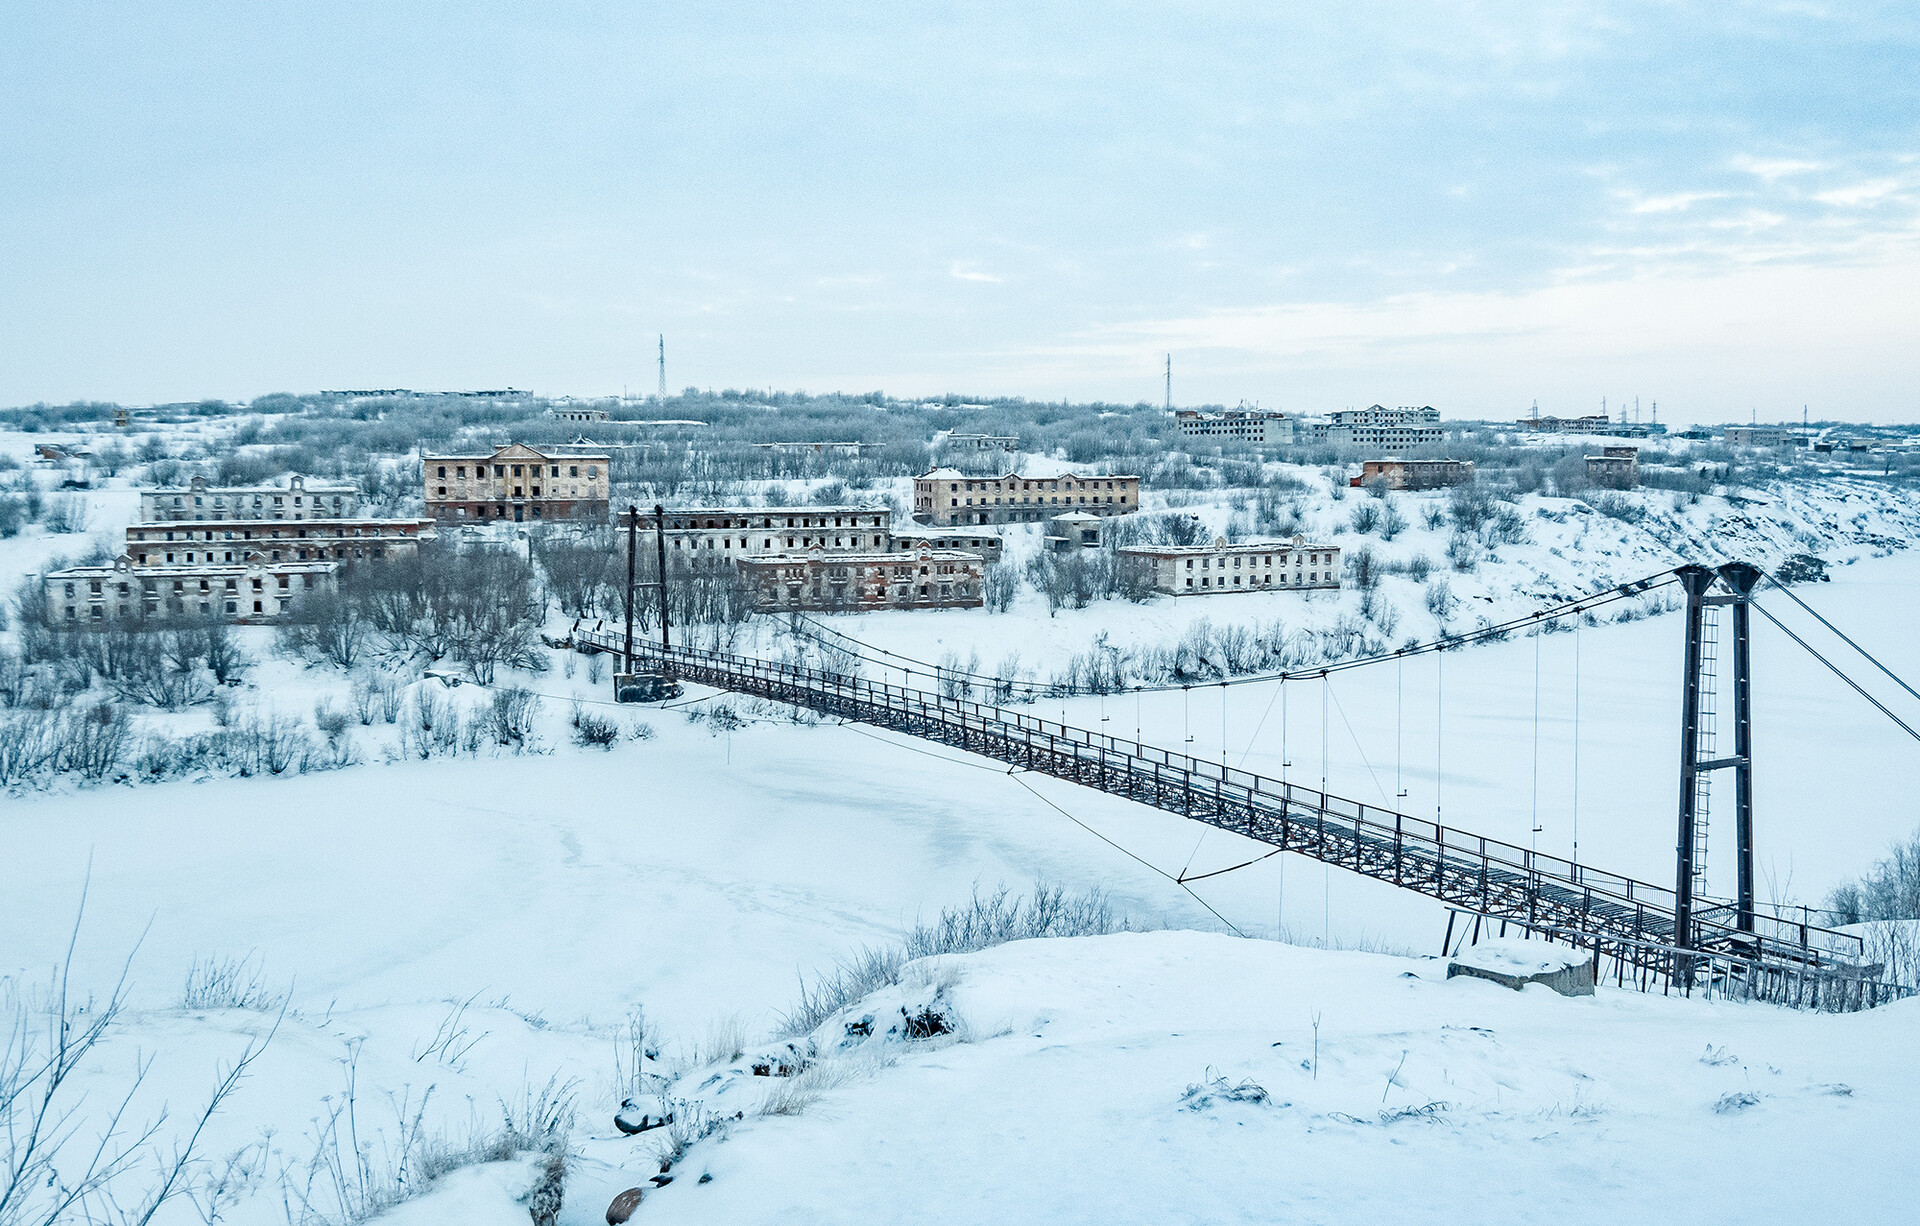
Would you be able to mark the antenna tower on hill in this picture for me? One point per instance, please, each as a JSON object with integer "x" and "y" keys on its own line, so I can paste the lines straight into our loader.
{"x": 663, "y": 366}
{"x": 1169, "y": 383}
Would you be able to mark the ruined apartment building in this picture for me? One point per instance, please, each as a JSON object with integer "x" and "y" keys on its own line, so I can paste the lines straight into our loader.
{"x": 252, "y": 589}
{"x": 709, "y": 536}
{"x": 298, "y": 499}
{"x": 946, "y": 496}
{"x": 193, "y": 542}
{"x": 856, "y": 582}
{"x": 518, "y": 483}
{"x": 1220, "y": 568}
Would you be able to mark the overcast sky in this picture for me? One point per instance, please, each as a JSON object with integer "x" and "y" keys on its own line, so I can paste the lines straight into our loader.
{"x": 1309, "y": 205}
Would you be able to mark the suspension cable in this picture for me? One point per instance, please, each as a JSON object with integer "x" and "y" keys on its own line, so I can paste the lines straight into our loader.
{"x": 1835, "y": 669}
{"x": 1494, "y": 631}
{"x": 1843, "y": 638}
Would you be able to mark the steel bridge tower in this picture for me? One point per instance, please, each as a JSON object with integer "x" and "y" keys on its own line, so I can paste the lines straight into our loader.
{"x": 1735, "y": 582}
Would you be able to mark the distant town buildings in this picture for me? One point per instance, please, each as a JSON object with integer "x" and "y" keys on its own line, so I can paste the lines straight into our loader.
{"x": 253, "y": 588}
{"x": 518, "y": 483}
{"x": 1615, "y": 468}
{"x": 1379, "y": 428}
{"x": 579, "y": 413}
{"x": 946, "y": 496}
{"x": 1597, "y": 423}
{"x": 1415, "y": 474}
{"x": 1257, "y": 426}
{"x": 1758, "y": 436}
{"x": 1211, "y": 570}
{"x": 822, "y": 581}
{"x": 203, "y": 542}
{"x": 819, "y": 448}
{"x": 981, "y": 442}
{"x": 298, "y": 499}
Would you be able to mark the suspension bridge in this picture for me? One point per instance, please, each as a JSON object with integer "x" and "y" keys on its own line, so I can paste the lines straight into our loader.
{"x": 1638, "y": 933}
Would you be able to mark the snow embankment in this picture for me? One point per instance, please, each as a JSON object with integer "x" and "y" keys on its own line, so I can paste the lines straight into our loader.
{"x": 1187, "y": 1077}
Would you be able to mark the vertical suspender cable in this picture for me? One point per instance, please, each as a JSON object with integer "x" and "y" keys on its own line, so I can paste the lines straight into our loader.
{"x": 1439, "y": 723}
{"x": 1576, "y": 740}
{"x": 1399, "y": 723}
{"x": 1535, "y": 820}
{"x": 1326, "y": 878}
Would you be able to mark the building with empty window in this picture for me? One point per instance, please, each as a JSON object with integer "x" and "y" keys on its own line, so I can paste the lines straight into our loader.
{"x": 1615, "y": 468}
{"x": 946, "y": 496}
{"x": 252, "y": 589}
{"x": 1219, "y": 568}
{"x": 981, "y": 442}
{"x": 297, "y": 499}
{"x": 518, "y": 483}
{"x": 584, "y": 414}
{"x": 709, "y": 536}
{"x": 853, "y": 582}
{"x": 196, "y": 542}
{"x": 1255, "y": 426}
{"x": 909, "y": 540}
{"x": 1379, "y": 428}
{"x": 1415, "y": 474}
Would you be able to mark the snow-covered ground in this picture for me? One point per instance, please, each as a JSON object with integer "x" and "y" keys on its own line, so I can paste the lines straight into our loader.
{"x": 698, "y": 874}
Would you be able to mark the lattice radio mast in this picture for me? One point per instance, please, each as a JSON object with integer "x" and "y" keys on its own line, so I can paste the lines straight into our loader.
{"x": 663, "y": 366}
{"x": 1169, "y": 383}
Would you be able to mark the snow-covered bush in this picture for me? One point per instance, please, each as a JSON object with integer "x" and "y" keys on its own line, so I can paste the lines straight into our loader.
{"x": 590, "y": 730}
{"x": 981, "y": 923}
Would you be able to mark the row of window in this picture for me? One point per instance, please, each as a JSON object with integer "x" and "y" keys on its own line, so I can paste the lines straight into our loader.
{"x": 1097, "y": 498}
{"x": 150, "y": 586}
{"x": 231, "y": 607}
{"x": 319, "y": 553}
{"x": 519, "y": 470}
{"x": 1309, "y": 559}
{"x": 793, "y": 521}
{"x": 440, "y": 491}
{"x": 220, "y": 500}
{"x": 1074, "y": 483}
{"x": 246, "y": 534}
{"x": 1312, "y": 577}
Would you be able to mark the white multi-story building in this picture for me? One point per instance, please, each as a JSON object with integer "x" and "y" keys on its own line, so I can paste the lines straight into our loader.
{"x": 1256, "y": 426}
{"x": 817, "y": 580}
{"x": 709, "y": 536}
{"x": 197, "y": 542}
{"x": 1385, "y": 429}
{"x": 298, "y": 499}
{"x": 981, "y": 442}
{"x": 947, "y": 496}
{"x": 253, "y": 589}
{"x": 1250, "y": 566}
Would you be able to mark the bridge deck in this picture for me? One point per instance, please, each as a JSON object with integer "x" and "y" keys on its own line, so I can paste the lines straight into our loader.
{"x": 1621, "y": 916}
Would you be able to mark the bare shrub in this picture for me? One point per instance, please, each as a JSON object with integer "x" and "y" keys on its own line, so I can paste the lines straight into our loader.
{"x": 52, "y": 1174}
{"x": 230, "y": 983}
{"x": 592, "y": 730}
{"x": 65, "y": 515}
{"x": 983, "y": 922}
{"x": 511, "y": 715}
{"x": 358, "y": 1170}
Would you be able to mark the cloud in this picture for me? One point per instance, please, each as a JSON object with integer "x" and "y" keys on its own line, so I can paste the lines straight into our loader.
{"x": 969, "y": 270}
{"x": 1774, "y": 168}
{"x": 1678, "y": 202}
{"x": 1707, "y": 340}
